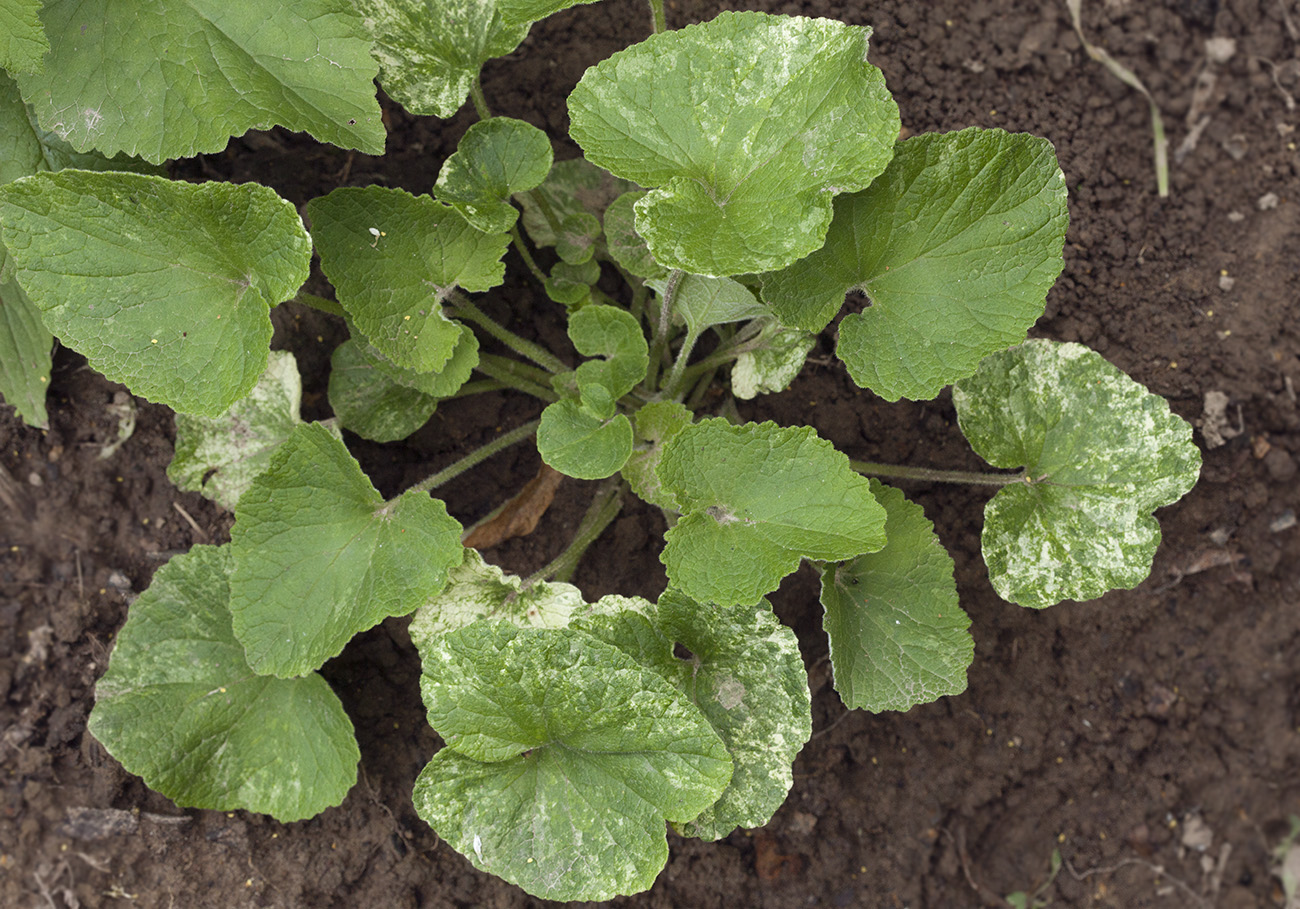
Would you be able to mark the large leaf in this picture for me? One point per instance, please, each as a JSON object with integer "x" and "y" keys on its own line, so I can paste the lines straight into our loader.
{"x": 477, "y": 590}
{"x": 170, "y": 80}
{"x": 164, "y": 286}
{"x": 564, "y": 757}
{"x": 22, "y": 38}
{"x": 393, "y": 258}
{"x": 494, "y": 159}
{"x": 431, "y": 53}
{"x": 898, "y": 637}
{"x": 747, "y": 125}
{"x": 534, "y": 10}
{"x": 320, "y": 556}
{"x": 956, "y": 246}
{"x": 24, "y": 353}
{"x": 656, "y": 423}
{"x": 221, "y": 456}
{"x": 755, "y": 499}
{"x": 626, "y": 246}
{"x": 180, "y": 706}
{"x": 745, "y": 674}
{"x": 1099, "y": 452}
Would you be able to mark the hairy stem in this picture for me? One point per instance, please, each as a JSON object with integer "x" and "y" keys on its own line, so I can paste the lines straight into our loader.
{"x": 320, "y": 303}
{"x": 929, "y": 474}
{"x": 659, "y": 342}
{"x": 480, "y": 102}
{"x": 604, "y": 508}
{"x": 479, "y": 455}
{"x": 658, "y": 21}
{"x": 463, "y": 308}
{"x": 515, "y": 375}
{"x": 517, "y": 240}
{"x": 477, "y": 387}
{"x": 675, "y": 378}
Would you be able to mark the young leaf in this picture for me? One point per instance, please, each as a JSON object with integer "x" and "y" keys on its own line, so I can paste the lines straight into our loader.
{"x": 749, "y": 121}
{"x": 495, "y": 158}
{"x": 564, "y": 757}
{"x": 220, "y": 457}
{"x": 626, "y": 246}
{"x": 171, "y": 80}
{"x": 572, "y": 187}
{"x": 898, "y": 637}
{"x": 368, "y": 401}
{"x": 430, "y": 53}
{"x": 773, "y": 367}
{"x": 571, "y": 284}
{"x": 578, "y": 443}
{"x": 755, "y": 499}
{"x": 25, "y": 345}
{"x": 478, "y": 590}
{"x": 1100, "y": 453}
{"x": 319, "y": 556}
{"x": 393, "y": 258}
{"x": 22, "y": 38}
{"x": 956, "y": 246}
{"x": 180, "y": 707}
{"x": 163, "y": 285}
{"x": 441, "y": 384}
{"x": 612, "y": 333}
{"x": 577, "y": 240}
{"x": 702, "y": 302}
{"x": 745, "y": 674}
{"x": 655, "y": 424}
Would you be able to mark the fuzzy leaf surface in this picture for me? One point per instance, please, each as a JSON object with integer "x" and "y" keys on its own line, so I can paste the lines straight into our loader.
{"x": 25, "y": 360}
{"x": 626, "y": 246}
{"x": 741, "y": 123}
{"x": 171, "y": 80}
{"x": 22, "y": 37}
{"x": 1102, "y": 453}
{"x": 702, "y": 302}
{"x": 572, "y": 187}
{"x": 320, "y": 556}
{"x": 747, "y": 677}
{"x": 368, "y": 401}
{"x": 578, "y": 443}
{"x": 614, "y": 335}
{"x": 956, "y": 246}
{"x": 164, "y": 286}
{"x": 773, "y": 367}
{"x": 392, "y": 283}
{"x": 219, "y": 457}
{"x": 479, "y": 590}
{"x": 441, "y": 384}
{"x": 180, "y": 707}
{"x": 495, "y": 158}
{"x": 431, "y": 53}
{"x": 535, "y": 10}
{"x": 564, "y": 757}
{"x": 898, "y": 637}
{"x": 755, "y": 499}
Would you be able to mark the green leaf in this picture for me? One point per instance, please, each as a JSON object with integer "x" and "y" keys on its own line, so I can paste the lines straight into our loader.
{"x": 368, "y": 401}
{"x": 755, "y": 499}
{"x": 441, "y": 384}
{"x": 180, "y": 707}
{"x": 1100, "y": 453}
{"x": 773, "y": 367}
{"x": 572, "y": 187}
{"x": 534, "y": 10}
{"x": 171, "y": 80}
{"x": 702, "y": 302}
{"x": 655, "y": 424}
{"x": 898, "y": 637}
{"x": 580, "y": 444}
{"x": 478, "y": 590}
{"x": 956, "y": 246}
{"x": 220, "y": 457}
{"x": 320, "y": 556}
{"x": 747, "y": 125}
{"x": 626, "y": 246}
{"x": 25, "y": 345}
{"x": 495, "y": 158}
{"x": 745, "y": 674}
{"x": 393, "y": 258}
{"x": 430, "y": 53}
{"x": 163, "y": 285}
{"x": 22, "y": 38}
{"x": 564, "y": 757}
{"x": 571, "y": 284}
{"x": 576, "y": 243}
{"x": 615, "y": 334}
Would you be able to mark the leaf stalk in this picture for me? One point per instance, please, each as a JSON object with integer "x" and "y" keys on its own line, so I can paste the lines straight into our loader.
{"x": 604, "y": 508}
{"x": 933, "y": 475}
{"x": 478, "y": 456}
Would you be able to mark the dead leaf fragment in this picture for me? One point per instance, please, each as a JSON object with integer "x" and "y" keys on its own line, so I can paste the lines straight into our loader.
{"x": 519, "y": 516}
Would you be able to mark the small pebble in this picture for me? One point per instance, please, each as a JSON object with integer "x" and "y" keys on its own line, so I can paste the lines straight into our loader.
{"x": 1284, "y": 521}
{"x": 35, "y": 479}
{"x": 1280, "y": 465}
{"x": 1236, "y": 217}
{"x": 1267, "y": 201}
{"x": 1220, "y": 50}
{"x": 1226, "y": 282}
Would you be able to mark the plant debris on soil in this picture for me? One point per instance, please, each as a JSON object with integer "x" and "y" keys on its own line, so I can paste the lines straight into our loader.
{"x": 1152, "y": 736}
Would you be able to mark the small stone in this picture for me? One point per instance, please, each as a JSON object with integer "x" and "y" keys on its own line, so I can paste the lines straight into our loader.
{"x": 1267, "y": 202}
{"x": 1220, "y": 50}
{"x": 1197, "y": 834}
{"x": 1280, "y": 465}
{"x": 34, "y": 479}
{"x": 1236, "y": 217}
{"x": 1285, "y": 521}
{"x": 1226, "y": 282}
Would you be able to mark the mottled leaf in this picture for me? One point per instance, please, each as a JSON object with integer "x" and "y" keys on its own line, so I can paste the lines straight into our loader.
{"x": 626, "y": 246}
{"x": 479, "y": 590}
{"x": 655, "y": 424}
{"x": 774, "y": 365}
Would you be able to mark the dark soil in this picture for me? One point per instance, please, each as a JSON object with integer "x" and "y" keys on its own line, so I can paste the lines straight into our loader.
{"x": 1113, "y": 730}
